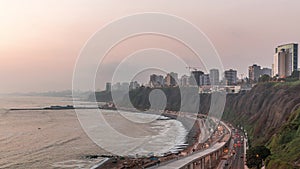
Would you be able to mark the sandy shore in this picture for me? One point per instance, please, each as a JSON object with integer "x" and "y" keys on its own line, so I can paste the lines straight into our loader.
{"x": 191, "y": 139}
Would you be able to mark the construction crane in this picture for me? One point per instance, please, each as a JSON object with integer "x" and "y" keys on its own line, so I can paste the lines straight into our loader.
{"x": 192, "y": 68}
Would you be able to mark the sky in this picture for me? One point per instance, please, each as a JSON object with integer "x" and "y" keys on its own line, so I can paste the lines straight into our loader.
{"x": 41, "y": 40}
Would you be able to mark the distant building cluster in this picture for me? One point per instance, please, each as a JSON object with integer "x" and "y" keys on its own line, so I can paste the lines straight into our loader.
{"x": 197, "y": 78}
{"x": 122, "y": 86}
{"x": 170, "y": 80}
{"x": 255, "y": 72}
{"x": 285, "y": 62}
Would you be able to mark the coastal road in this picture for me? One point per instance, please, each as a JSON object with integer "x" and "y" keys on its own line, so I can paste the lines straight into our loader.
{"x": 182, "y": 162}
{"x": 197, "y": 155}
{"x": 238, "y": 158}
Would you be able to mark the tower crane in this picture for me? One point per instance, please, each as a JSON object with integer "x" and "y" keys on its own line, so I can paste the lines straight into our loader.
{"x": 190, "y": 68}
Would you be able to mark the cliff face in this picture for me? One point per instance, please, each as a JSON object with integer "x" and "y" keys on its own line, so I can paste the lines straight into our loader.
{"x": 264, "y": 109}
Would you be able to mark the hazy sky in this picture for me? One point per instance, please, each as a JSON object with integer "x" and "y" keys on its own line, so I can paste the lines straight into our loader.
{"x": 40, "y": 40}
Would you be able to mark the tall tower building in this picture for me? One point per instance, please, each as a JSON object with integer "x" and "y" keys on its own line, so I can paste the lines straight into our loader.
{"x": 285, "y": 60}
{"x": 204, "y": 80}
{"x": 254, "y": 73}
{"x": 174, "y": 79}
{"x": 231, "y": 77}
{"x": 195, "y": 77}
{"x": 214, "y": 76}
{"x": 184, "y": 81}
{"x": 171, "y": 79}
{"x": 108, "y": 87}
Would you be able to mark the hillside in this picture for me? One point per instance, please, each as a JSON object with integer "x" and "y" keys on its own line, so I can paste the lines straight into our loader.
{"x": 285, "y": 144}
{"x": 263, "y": 109}
{"x": 270, "y": 114}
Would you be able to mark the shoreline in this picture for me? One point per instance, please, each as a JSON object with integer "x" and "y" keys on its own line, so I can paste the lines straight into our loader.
{"x": 192, "y": 133}
{"x": 191, "y": 138}
{"x": 179, "y": 149}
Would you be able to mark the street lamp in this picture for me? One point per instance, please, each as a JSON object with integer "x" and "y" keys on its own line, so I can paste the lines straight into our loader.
{"x": 226, "y": 150}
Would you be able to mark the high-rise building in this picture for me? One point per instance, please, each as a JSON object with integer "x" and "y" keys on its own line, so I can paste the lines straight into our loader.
{"x": 108, "y": 87}
{"x": 168, "y": 80}
{"x": 214, "y": 76}
{"x": 254, "y": 73}
{"x": 171, "y": 79}
{"x": 266, "y": 71}
{"x": 204, "y": 80}
{"x": 134, "y": 85}
{"x": 195, "y": 77}
{"x": 231, "y": 77}
{"x": 156, "y": 80}
{"x": 285, "y": 60}
{"x": 174, "y": 78}
{"x": 153, "y": 80}
{"x": 282, "y": 64}
{"x": 160, "y": 80}
{"x": 184, "y": 81}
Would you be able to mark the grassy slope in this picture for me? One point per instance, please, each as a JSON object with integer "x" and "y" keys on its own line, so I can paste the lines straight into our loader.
{"x": 285, "y": 145}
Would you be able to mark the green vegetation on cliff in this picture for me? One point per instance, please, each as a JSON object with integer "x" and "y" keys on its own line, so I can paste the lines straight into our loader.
{"x": 285, "y": 144}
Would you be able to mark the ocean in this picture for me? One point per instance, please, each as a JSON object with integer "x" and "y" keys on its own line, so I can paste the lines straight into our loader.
{"x": 55, "y": 138}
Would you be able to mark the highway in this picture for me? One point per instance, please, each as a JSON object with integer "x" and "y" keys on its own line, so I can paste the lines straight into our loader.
{"x": 236, "y": 161}
{"x": 182, "y": 162}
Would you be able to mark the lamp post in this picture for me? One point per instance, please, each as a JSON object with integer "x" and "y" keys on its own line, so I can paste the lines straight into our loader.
{"x": 258, "y": 159}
